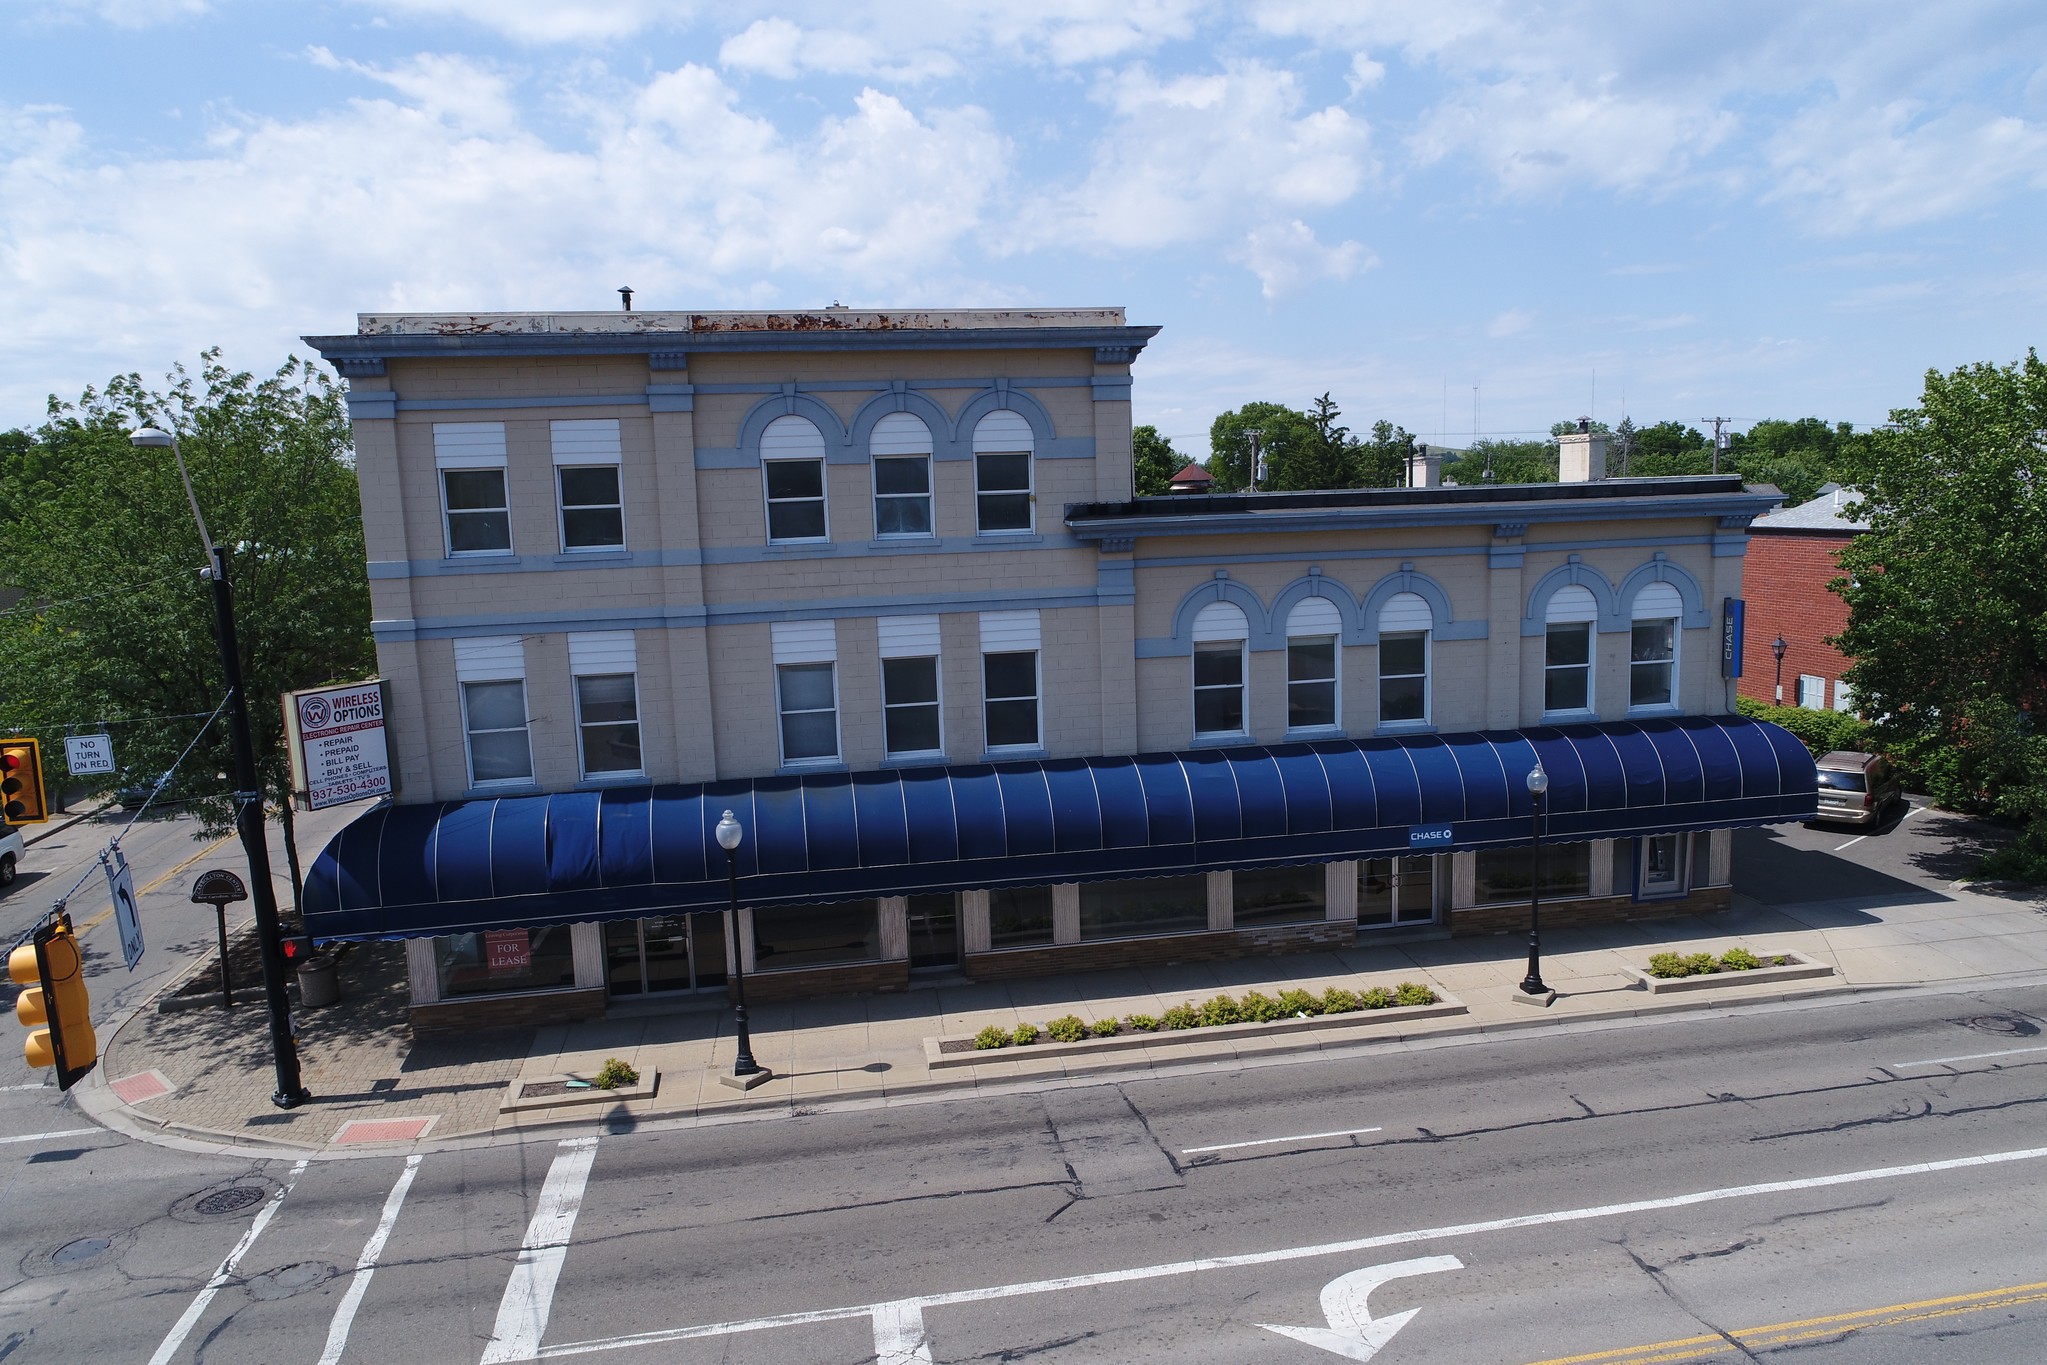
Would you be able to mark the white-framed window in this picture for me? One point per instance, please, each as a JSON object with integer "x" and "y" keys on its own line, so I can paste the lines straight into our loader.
{"x": 1569, "y": 621}
{"x": 604, "y": 666}
{"x": 1406, "y": 626}
{"x": 792, "y": 469}
{"x": 475, "y": 515}
{"x": 590, "y": 505}
{"x": 1010, "y": 683}
{"x": 912, "y": 722}
{"x": 491, "y": 672}
{"x": 1844, "y": 697}
{"x": 1314, "y": 635}
{"x": 1812, "y": 692}
{"x": 1221, "y": 643}
{"x": 807, "y": 690}
{"x": 901, "y": 449}
{"x": 1003, "y": 447}
{"x": 1652, "y": 647}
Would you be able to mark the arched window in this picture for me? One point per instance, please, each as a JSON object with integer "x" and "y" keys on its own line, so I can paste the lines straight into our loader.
{"x": 1314, "y": 635}
{"x": 1002, "y": 473}
{"x": 901, "y": 447}
{"x": 1405, "y": 625}
{"x": 792, "y": 465}
{"x": 1652, "y": 647}
{"x": 1221, "y": 637}
{"x": 1567, "y": 650}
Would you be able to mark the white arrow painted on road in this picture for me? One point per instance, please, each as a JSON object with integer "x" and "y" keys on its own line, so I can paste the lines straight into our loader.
{"x": 1353, "y": 1332}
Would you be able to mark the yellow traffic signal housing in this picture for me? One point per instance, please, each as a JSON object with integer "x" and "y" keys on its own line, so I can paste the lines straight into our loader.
{"x": 21, "y": 782}
{"x": 55, "y": 1007}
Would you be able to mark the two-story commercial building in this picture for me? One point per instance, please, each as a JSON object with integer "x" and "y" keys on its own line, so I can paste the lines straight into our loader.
{"x": 876, "y": 584}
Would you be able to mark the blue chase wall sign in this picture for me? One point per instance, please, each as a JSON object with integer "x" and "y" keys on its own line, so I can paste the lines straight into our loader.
{"x": 1733, "y": 617}
{"x": 1427, "y": 837}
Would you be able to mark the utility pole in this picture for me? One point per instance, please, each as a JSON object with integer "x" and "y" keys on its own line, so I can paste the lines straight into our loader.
{"x": 1719, "y": 438}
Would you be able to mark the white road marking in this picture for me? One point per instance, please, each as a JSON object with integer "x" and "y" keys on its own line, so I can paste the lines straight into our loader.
{"x": 1968, "y": 1057}
{"x": 925, "y": 1302}
{"x": 49, "y": 1137}
{"x": 1271, "y": 1142}
{"x": 1353, "y": 1332}
{"x": 1912, "y": 812}
{"x": 899, "y": 1335}
{"x": 197, "y": 1308}
{"x": 32, "y": 1085}
{"x": 1851, "y": 843}
{"x": 529, "y": 1295}
{"x": 366, "y": 1266}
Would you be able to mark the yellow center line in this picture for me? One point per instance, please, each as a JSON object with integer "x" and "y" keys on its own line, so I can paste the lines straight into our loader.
{"x": 1807, "y": 1329}
{"x": 101, "y": 917}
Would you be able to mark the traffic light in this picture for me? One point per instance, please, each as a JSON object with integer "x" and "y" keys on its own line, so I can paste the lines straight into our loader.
{"x": 55, "y": 1005}
{"x": 21, "y": 782}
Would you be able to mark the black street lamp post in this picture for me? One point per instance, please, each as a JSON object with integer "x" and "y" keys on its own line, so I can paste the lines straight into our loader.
{"x": 746, "y": 1072}
{"x": 248, "y": 796}
{"x": 1777, "y": 647}
{"x": 1532, "y": 987}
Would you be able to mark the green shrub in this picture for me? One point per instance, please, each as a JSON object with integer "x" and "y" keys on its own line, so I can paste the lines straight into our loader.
{"x": 1739, "y": 960}
{"x": 1820, "y": 731}
{"x": 1261, "y": 1008}
{"x": 2024, "y": 859}
{"x": 1182, "y": 1015}
{"x": 1024, "y": 1035}
{"x": 1067, "y": 1028}
{"x": 1220, "y": 1009}
{"x": 1376, "y": 998}
{"x": 1141, "y": 1023}
{"x": 1295, "y": 1002}
{"x": 1107, "y": 1028}
{"x": 615, "y": 1072}
{"x": 1668, "y": 966}
{"x": 1413, "y": 993}
{"x": 1337, "y": 1000}
{"x": 991, "y": 1037}
{"x": 1700, "y": 964}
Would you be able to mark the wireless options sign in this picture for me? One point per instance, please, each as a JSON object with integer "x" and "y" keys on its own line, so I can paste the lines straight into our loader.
{"x": 338, "y": 752}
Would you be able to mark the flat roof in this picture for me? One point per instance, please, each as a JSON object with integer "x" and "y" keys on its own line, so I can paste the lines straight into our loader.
{"x": 636, "y": 323}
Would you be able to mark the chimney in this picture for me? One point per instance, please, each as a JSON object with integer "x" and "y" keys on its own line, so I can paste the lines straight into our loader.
{"x": 1581, "y": 454}
{"x": 1424, "y": 469}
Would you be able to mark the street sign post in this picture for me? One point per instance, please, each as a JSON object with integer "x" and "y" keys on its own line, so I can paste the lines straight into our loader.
{"x": 220, "y": 888}
{"x": 121, "y": 882}
{"x": 336, "y": 735}
{"x": 88, "y": 755}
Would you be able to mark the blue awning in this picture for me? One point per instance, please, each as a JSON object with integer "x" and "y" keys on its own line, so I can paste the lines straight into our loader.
{"x": 462, "y": 866}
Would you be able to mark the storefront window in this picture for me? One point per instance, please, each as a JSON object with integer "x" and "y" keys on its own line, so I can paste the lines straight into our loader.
{"x": 1279, "y": 895}
{"x": 499, "y": 961}
{"x": 1503, "y": 873}
{"x": 1020, "y": 917}
{"x": 1148, "y": 905}
{"x": 816, "y": 935}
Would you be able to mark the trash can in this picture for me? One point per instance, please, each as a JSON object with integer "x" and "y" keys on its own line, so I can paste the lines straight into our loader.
{"x": 318, "y": 984}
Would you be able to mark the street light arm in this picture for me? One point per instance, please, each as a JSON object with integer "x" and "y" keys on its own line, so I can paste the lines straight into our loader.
{"x": 151, "y": 438}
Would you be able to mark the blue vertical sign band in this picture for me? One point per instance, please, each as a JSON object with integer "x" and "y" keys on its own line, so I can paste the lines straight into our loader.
{"x": 1734, "y": 610}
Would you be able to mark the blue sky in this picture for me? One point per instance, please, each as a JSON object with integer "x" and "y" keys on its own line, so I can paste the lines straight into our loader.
{"x": 1745, "y": 209}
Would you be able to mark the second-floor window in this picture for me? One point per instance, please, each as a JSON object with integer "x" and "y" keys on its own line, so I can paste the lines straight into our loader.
{"x": 586, "y": 460}
{"x": 604, "y": 665}
{"x": 910, "y": 720}
{"x": 809, "y": 698}
{"x": 1405, "y": 625}
{"x": 491, "y": 672}
{"x": 470, "y": 458}
{"x": 1652, "y": 646}
{"x": 792, "y": 464}
{"x": 1009, "y": 682}
{"x": 1567, "y": 650}
{"x": 1221, "y": 637}
{"x": 1003, "y": 446}
{"x": 1314, "y": 629}
{"x": 901, "y": 447}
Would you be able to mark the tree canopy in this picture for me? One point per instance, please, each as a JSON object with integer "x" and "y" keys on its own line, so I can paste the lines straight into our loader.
{"x": 1305, "y": 450}
{"x": 1156, "y": 461}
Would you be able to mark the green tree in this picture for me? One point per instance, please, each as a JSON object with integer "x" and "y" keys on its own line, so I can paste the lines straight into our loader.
{"x": 1282, "y": 431}
{"x": 1947, "y": 603}
{"x": 1668, "y": 448}
{"x": 1795, "y": 456}
{"x": 1493, "y": 461}
{"x": 1156, "y": 461}
{"x": 117, "y": 626}
{"x": 1381, "y": 460}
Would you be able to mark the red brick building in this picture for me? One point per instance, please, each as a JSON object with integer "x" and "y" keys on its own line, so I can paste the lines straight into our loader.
{"x": 1793, "y": 553}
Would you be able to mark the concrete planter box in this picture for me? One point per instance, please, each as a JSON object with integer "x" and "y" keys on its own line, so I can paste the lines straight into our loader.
{"x": 939, "y": 1060}
{"x": 517, "y": 1100}
{"x": 1801, "y": 968}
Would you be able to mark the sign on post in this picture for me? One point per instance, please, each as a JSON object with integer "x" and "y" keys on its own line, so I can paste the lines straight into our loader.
{"x": 89, "y": 754}
{"x": 121, "y": 882}
{"x": 218, "y": 888}
{"x": 338, "y": 751}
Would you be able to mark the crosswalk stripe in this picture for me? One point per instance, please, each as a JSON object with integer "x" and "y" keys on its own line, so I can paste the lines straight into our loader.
{"x": 529, "y": 1295}
{"x": 226, "y": 1272}
{"x": 366, "y": 1266}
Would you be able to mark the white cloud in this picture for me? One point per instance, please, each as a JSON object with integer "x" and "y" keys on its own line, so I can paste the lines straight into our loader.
{"x": 463, "y": 93}
{"x": 1849, "y": 168}
{"x": 778, "y": 48}
{"x": 546, "y": 21}
{"x": 1365, "y": 74}
{"x": 1286, "y": 256}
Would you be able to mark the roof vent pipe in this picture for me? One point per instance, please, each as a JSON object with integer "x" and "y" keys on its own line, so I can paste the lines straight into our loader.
{"x": 625, "y": 297}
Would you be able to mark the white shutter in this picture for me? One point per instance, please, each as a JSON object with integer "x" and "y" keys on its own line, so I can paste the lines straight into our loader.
{"x": 1005, "y": 632}
{"x": 1572, "y": 603}
{"x": 792, "y": 438}
{"x": 1221, "y": 621}
{"x": 602, "y": 651}
{"x": 805, "y": 642}
{"x": 1655, "y": 602}
{"x": 1406, "y": 611}
{"x": 1313, "y": 616}
{"x": 586, "y": 442}
{"x": 900, "y": 433}
{"x": 469, "y": 445}
{"x": 907, "y": 637}
{"x": 490, "y": 658}
{"x": 1812, "y": 692}
{"x": 1002, "y": 431}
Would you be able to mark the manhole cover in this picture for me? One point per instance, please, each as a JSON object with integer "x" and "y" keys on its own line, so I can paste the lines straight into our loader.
{"x": 231, "y": 1200}
{"x": 2002, "y": 1025}
{"x": 84, "y": 1249}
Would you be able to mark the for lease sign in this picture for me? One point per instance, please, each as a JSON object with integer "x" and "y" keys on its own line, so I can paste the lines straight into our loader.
{"x": 338, "y": 752}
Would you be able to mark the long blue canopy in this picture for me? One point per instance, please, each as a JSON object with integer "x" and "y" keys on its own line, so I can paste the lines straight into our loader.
{"x": 497, "y": 862}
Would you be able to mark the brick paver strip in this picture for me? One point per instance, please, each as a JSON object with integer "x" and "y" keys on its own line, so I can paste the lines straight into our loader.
{"x": 143, "y": 1085}
{"x": 384, "y": 1130}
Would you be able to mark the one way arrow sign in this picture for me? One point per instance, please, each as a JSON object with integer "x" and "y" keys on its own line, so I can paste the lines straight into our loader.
{"x": 1353, "y": 1332}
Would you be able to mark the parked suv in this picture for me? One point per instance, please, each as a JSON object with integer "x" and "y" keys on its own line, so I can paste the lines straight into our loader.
{"x": 1857, "y": 789}
{"x": 12, "y": 851}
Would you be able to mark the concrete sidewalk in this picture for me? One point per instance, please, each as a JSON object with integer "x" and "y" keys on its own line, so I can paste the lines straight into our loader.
{"x": 202, "y": 1078}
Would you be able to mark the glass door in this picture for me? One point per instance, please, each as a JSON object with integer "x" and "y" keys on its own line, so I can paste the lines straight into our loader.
{"x": 934, "y": 931}
{"x": 1396, "y": 892}
{"x": 665, "y": 954}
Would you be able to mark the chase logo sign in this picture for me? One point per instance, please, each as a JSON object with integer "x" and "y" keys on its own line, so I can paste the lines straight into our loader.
{"x": 1428, "y": 836}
